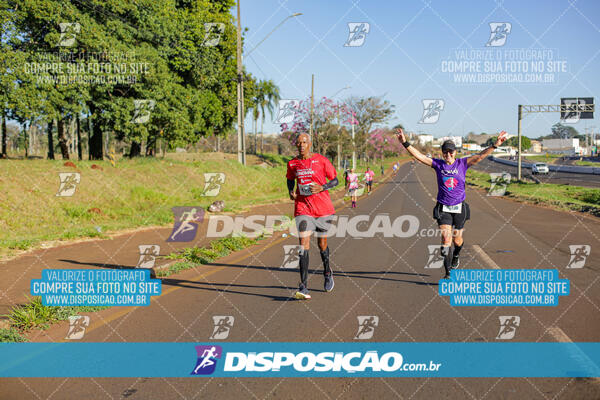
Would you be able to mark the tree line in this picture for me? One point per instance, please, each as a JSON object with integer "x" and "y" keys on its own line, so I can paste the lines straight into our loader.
{"x": 143, "y": 73}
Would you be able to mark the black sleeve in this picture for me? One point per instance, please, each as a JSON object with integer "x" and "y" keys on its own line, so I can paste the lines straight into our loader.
{"x": 291, "y": 183}
{"x": 331, "y": 184}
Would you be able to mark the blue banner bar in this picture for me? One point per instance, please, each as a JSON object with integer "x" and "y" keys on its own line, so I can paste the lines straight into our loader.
{"x": 224, "y": 359}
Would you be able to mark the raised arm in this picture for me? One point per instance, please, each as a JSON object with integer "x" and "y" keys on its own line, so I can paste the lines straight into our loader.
{"x": 423, "y": 159}
{"x": 486, "y": 152}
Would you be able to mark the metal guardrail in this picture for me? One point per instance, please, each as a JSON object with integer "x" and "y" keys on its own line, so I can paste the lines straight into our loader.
{"x": 556, "y": 168}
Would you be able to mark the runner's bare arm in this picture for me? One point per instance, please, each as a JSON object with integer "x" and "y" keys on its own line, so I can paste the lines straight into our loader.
{"x": 481, "y": 156}
{"x": 423, "y": 159}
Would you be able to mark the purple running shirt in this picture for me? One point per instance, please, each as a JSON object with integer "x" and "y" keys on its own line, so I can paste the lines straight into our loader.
{"x": 451, "y": 180}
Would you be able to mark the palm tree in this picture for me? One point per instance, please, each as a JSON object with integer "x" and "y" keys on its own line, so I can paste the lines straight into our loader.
{"x": 267, "y": 98}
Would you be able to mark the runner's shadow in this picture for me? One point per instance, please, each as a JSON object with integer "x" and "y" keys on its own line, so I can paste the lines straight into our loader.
{"x": 347, "y": 274}
{"x": 216, "y": 287}
{"x": 100, "y": 265}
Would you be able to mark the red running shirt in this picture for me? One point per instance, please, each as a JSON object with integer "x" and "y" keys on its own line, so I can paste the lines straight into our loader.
{"x": 316, "y": 169}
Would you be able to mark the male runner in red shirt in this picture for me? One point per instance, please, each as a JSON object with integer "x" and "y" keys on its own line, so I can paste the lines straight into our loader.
{"x": 313, "y": 208}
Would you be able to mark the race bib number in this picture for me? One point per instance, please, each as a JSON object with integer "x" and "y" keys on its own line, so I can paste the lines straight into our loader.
{"x": 457, "y": 209}
{"x": 304, "y": 190}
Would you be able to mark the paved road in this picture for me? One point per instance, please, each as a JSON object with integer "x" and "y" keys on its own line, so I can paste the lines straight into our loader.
{"x": 377, "y": 276}
{"x": 562, "y": 178}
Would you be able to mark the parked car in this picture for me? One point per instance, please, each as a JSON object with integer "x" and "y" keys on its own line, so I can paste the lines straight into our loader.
{"x": 539, "y": 168}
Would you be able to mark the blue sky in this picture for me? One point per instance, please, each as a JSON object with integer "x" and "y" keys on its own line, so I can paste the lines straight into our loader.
{"x": 403, "y": 51}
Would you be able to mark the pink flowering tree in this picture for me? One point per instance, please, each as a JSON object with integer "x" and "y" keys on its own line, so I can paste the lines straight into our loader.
{"x": 332, "y": 122}
{"x": 382, "y": 142}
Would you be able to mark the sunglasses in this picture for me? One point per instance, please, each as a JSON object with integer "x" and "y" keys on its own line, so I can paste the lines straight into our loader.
{"x": 448, "y": 151}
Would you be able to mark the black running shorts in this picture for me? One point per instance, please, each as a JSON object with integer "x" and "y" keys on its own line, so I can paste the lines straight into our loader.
{"x": 456, "y": 220}
{"x": 320, "y": 225}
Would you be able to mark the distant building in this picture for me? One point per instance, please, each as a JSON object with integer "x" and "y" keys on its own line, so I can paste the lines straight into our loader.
{"x": 425, "y": 139}
{"x": 479, "y": 139}
{"x": 471, "y": 147}
{"x": 536, "y": 146}
{"x": 569, "y": 147}
{"x": 456, "y": 139}
{"x": 512, "y": 151}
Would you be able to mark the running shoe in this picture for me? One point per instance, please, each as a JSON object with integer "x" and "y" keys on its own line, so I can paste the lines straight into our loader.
{"x": 302, "y": 293}
{"x": 455, "y": 262}
{"x": 328, "y": 284}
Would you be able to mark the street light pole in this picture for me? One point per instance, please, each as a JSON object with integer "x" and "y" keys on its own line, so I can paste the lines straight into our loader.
{"x": 312, "y": 105}
{"x": 519, "y": 143}
{"x": 274, "y": 29}
{"x": 240, "y": 84}
{"x": 353, "y": 147}
{"x": 339, "y": 145}
{"x": 240, "y": 92}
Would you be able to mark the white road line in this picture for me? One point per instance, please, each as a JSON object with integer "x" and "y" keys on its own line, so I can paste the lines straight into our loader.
{"x": 486, "y": 259}
{"x": 560, "y": 336}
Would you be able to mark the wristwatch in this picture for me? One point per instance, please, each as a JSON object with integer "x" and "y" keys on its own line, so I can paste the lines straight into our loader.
{"x": 494, "y": 146}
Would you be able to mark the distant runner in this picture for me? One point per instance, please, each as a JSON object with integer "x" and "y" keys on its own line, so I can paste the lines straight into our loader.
{"x": 313, "y": 208}
{"x": 451, "y": 210}
{"x": 369, "y": 174}
{"x": 352, "y": 186}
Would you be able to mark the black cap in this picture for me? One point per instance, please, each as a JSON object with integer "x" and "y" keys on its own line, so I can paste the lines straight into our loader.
{"x": 448, "y": 145}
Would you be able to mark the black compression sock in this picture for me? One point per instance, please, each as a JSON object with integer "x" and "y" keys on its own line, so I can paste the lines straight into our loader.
{"x": 325, "y": 259}
{"x": 446, "y": 254}
{"x": 303, "y": 266}
{"x": 457, "y": 249}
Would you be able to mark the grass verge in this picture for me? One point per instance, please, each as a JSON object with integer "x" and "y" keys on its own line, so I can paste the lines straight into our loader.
{"x": 194, "y": 256}
{"x": 134, "y": 193}
{"x": 564, "y": 197}
{"x": 588, "y": 164}
{"x": 35, "y": 315}
{"x": 11, "y": 335}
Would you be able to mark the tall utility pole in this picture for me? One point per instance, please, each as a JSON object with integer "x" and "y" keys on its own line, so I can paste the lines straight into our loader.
{"x": 312, "y": 105}
{"x": 240, "y": 92}
{"x": 353, "y": 147}
{"x": 339, "y": 146}
{"x": 519, "y": 148}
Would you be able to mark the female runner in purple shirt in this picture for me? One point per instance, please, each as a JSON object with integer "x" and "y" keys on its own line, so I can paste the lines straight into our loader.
{"x": 451, "y": 210}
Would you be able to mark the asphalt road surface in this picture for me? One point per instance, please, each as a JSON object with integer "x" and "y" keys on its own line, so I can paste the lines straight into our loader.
{"x": 384, "y": 277}
{"x": 561, "y": 178}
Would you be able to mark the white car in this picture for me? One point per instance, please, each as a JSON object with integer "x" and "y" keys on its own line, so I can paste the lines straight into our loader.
{"x": 539, "y": 168}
